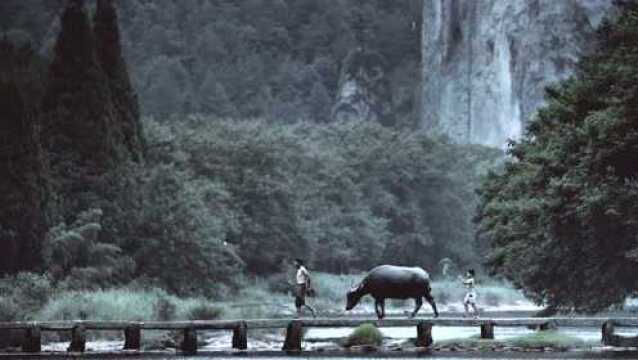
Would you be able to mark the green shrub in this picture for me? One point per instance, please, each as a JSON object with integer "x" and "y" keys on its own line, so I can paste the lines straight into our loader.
{"x": 366, "y": 334}
{"x": 549, "y": 338}
{"x": 77, "y": 259}
{"x": 473, "y": 341}
{"x": 25, "y": 293}
{"x": 539, "y": 339}
{"x": 8, "y": 309}
{"x": 279, "y": 283}
{"x": 164, "y": 309}
{"x": 204, "y": 311}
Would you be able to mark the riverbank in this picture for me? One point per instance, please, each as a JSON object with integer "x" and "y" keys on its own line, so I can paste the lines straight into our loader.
{"x": 33, "y": 298}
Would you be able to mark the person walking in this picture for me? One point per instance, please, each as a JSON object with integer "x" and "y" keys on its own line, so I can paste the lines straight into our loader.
{"x": 302, "y": 287}
{"x": 470, "y": 295}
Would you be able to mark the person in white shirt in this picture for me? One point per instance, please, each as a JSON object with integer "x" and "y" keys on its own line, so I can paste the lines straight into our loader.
{"x": 470, "y": 296}
{"x": 302, "y": 288}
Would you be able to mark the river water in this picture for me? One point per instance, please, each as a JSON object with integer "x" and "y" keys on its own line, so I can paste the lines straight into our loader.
{"x": 219, "y": 341}
{"x": 318, "y": 338}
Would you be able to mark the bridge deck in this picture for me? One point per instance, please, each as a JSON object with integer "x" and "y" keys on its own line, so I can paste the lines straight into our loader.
{"x": 319, "y": 322}
{"x": 294, "y": 329}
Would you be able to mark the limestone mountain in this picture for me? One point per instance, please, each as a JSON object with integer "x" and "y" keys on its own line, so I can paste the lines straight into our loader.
{"x": 485, "y": 63}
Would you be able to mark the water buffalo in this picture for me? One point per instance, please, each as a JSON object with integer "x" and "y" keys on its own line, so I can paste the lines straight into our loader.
{"x": 394, "y": 282}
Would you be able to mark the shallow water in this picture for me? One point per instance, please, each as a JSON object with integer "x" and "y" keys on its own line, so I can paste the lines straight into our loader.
{"x": 454, "y": 332}
{"x": 321, "y": 337}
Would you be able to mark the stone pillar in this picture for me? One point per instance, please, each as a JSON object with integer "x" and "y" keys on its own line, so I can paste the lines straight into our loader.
{"x": 611, "y": 339}
{"x": 424, "y": 334}
{"x": 132, "y": 336}
{"x": 608, "y": 333}
{"x": 294, "y": 334}
{"x": 487, "y": 330}
{"x": 240, "y": 336}
{"x": 189, "y": 344}
{"x": 78, "y": 339}
{"x": 32, "y": 342}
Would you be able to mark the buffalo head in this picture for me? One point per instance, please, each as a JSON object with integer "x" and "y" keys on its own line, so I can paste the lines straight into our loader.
{"x": 353, "y": 297}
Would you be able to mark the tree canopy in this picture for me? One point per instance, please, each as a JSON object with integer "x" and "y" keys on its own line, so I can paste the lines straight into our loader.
{"x": 195, "y": 203}
{"x": 561, "y": 217}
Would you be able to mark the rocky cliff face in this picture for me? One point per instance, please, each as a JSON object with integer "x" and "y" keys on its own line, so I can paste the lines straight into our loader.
{"x": 486, "y": 63}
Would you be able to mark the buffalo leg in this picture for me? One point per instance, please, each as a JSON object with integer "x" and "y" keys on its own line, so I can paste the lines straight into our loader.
{"x": 428, "y": 297}
{"x": 418, "y": 303}
{"x": 382, "y": 302}
{"x": 377, "y": 309}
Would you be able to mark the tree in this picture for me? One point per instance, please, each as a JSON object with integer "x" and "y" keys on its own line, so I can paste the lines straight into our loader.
{"x": 21, "y": 167}
{"x": 22, "y": 164}
{"x": 214, "y": 99}
{"x": 78, "y": 116}
{"x": 74, "y": 256}
{"x": 561, "y": 218}
{"x": 109, "y": 55}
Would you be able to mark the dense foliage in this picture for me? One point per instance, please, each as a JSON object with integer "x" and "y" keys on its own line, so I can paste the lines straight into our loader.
{"x": 199, "y": 202}
{"x": 279, "y": 60}
{"x": 80, "y": 129}
{"x": 344, "y": 196}
{"x": 562, "y": 217}
{"x": 22, "y": 166}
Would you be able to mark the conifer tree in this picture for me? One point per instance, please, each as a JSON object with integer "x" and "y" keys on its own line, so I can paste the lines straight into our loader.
{"x": 78, "y": 115}
{"x": 21, "y": 165}
{"x": 109, "y": 54}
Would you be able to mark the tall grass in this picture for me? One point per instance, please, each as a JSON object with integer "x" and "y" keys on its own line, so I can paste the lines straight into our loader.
{"x": 254, "y": 300}
{"x": 124, "y": 304}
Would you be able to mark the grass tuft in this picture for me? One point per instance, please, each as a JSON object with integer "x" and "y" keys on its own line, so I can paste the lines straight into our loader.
{"x": 366, "y": 334}
{"x": 549, "y": 338}
{"x": 540, "y": 339}
{"x": 204, "y": 311}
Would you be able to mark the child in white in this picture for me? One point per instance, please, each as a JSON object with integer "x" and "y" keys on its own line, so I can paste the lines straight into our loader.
{"x": 470, "y": 296}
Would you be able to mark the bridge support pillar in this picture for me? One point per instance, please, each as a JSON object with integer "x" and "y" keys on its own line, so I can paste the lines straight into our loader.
{"x": 424, "y": 334}
{"x": 132, "y": 337}
{"x": 294, "y": 334}
{"x": 189, "y": 344}
{"x": 78, "y": 339}
{"x": 487, "y": 330}
{"x": 32, "y": 342}
{"x": 608, "y": 333}
{"x": 611, "y": 339}
{"x": 240, "y": 336}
